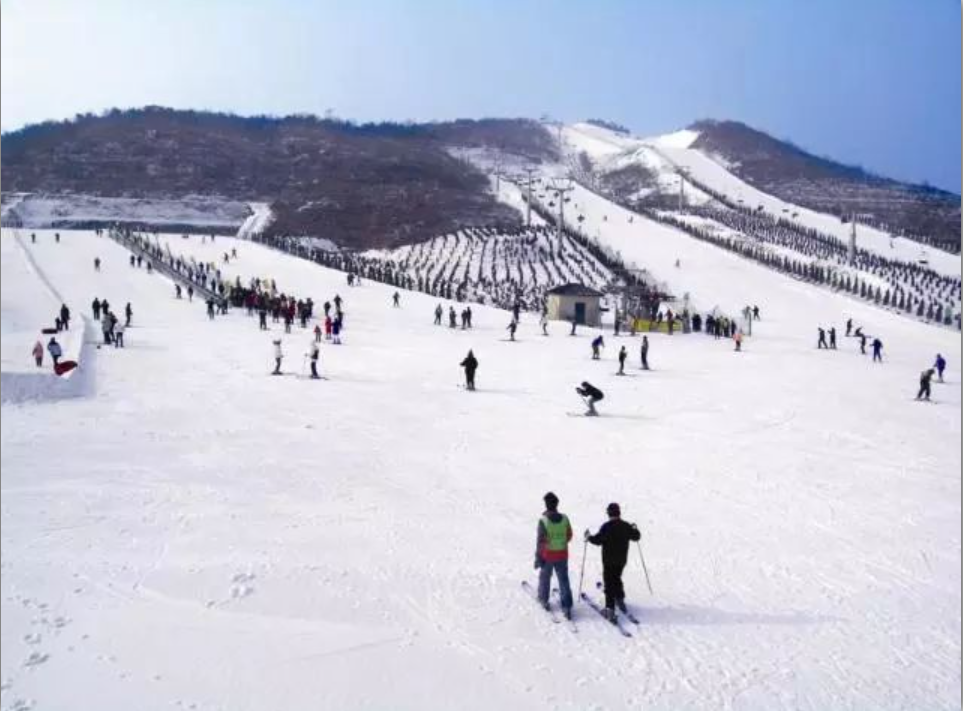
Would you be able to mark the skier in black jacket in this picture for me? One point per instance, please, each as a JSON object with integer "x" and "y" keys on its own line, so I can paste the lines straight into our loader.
{"x": 614, "y": 537}
{"x": 592, "y": 395}
{"x": 470, "y": 364}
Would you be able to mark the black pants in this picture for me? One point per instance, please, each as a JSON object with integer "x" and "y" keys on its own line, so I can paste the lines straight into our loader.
{"x": 924, "y": 391}
{"x": 277, "y": 365}
{"x": 612, "y": 579}
{"x": 314, "y": 369}
{"x": 645, "y": 361}
{"x": 470, "y": 379}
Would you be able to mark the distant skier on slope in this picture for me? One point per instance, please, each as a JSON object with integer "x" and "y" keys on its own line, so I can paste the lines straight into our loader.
{"x": 597, "y": 343}
{"x": 822, "y": 338}
{"x": 95, "y": 307}
{"x": 65, "y": 316}
{"x": 877, "y": 350}
{"x": 623, "y": 354}
{"x": 470, "y": 364}
{"x": 543, "y": 322}
{"x": 644, "y": 352}
{"x": 614, "y": 537}
{"x": 396, "y": 299}
{"x": 37, "y": 354}
{"x": 278, "y": 356}
{"x": 55, "y": 351}
{"x": 128, "y": 314}
{"x": 832, "y": 338}
{"x": 551, "y": 553}
{"x": 940, "y": 366}
{"x": 314, "y": 351}
{"x": 438, "y": 313}
{"x": 737, "y": 339}
{"x": 512, "y": 327}
{"x": 926, "y": 378}
{"x": 862, "y": 343}
{"x": 452, "y": 317}
{"x": 849, "y": 326}
{"x": 591, "y": 395}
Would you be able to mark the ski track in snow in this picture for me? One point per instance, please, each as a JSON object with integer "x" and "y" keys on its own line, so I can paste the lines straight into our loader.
{"x": 192, "y": 534}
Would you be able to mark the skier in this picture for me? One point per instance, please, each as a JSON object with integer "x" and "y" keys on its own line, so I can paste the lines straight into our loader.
{"x": 313, "y": 354}
{"x": 96, "y": 264}
{"x": 438, "y": 313}
{"x": 849, "y": 326}
{"x": 512, "y": 327}
{"x": 470, "y": 364}
{"x": 544, "y": 324}
{"x": 336, "y": 330}
{"x": 468, "y": 314}
{"x": 107, "y": 328}
{"x": 327, "y": 307}
{"x": 738, "y": 339}
{"x": 862, "y": 343}
{"x": 926, "y": 378}
{"x": 822, "y": 338}
{"x": 551, "y": 553}
{"x": 337, "y": 302}
{"x": 55, "y": 351}
{"x": 574, "y": 324}
{"x": 452, "y": 317}
{"x": 592, "y": 395}
{"x": 190, "y": 293}
{"x": 940, "y": 366}
{"x": 37, "y": 353}
{"x": 328, "y": 325}
{"x": 57, "y": 237}
{"x": 95, "y": 307}
{"x": 832, "y": 337}
{"x": 614, "y": 537}
{"x": 119, "y": 335}
{"x": 33, "y": 239}
{"x": 128, "y": 313}
{"x": 396, "y": 299}
{"x": 755, "y": 312}
{"x": 877, "y": 350}
{"x": 278, "y": 355}
{"x": 64, "y": 316}
{"x": 317, "y": 333}
{"x": 262, "y": 318}
{"x": 177, "y": 291}
{"x": 210, "y": 309}
{"x": 623, "y": 354}
{"x": 645, "y": 352}
{"x": 133, "y": 261}
{"x": 597, "y": 343}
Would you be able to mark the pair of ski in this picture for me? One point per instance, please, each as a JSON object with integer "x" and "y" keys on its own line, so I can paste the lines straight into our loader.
{"x": 615, "y": 621}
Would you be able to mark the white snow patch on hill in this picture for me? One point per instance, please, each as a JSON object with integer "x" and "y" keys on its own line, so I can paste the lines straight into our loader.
{"x": 195, "y": 532}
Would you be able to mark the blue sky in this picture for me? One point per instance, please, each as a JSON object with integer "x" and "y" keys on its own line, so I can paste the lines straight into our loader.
{"x": 871, "y": 82}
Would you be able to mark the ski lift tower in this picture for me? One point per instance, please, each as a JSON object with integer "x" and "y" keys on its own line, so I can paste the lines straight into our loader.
{"x": 560, "y": 190}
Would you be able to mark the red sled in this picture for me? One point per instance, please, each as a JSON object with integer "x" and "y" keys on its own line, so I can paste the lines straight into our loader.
{"x": 65, "y": 366}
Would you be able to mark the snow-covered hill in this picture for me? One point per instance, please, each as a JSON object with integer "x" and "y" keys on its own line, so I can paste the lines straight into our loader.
{"x": 196, "y": 533}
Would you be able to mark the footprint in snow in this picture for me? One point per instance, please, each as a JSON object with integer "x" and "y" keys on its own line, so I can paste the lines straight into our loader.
{"x": 32, "y": 638}
{"x": 35, "y": 659}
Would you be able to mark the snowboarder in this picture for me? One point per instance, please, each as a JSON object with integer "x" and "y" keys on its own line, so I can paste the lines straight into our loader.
{"x": 551, "y": 553}
{"x": 512, "y": 327}
{"x": 95, "y": 307}
{"x": 832, "y": 338}
{"x": 926, "y": 378}
{"x": 313, "y": 354}
{"x": 877, "y": 350}
{"x": 438, "y": 312}
{"x": 128, "y": 313}
{"x": 37, "y": 353}
{"x": 645, "y": 352}
{"x": 64, "y": 316}
{"x": 614, "y": 537}
{"x": 591, "y": 395}
{"x": 278, "y": 355}
{"x": 597, "y": 343}
{"x": 623, "y": 354}
{"x": 396, "y": 298}
{"x": 55, "y": 351}
{"x": 940, "y": 366}
{"x": 470, "y": 364}
{"x": 822, "y": 339}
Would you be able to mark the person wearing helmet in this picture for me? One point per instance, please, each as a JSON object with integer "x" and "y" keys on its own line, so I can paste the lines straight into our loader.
{"x": 614, "y": 537}
{"x": 551, "y": 553}
{"x": 926, "y": 378}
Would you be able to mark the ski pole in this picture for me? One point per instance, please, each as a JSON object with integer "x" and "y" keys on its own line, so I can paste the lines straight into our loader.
{"x": 581, "y": 576}
{"x": 644, "y": 569}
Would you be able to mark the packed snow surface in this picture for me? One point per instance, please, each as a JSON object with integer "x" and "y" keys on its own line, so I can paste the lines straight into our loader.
{"x": 194, "y": 533}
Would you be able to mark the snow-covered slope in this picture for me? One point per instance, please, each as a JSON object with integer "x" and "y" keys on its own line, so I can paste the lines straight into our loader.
{"x": 196, "y": 533}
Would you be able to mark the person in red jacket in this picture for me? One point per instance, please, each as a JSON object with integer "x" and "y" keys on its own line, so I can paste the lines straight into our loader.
{"x": 551, "y": 553}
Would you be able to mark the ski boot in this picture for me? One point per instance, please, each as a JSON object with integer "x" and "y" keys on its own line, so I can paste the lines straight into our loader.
{"x": 621, "y": 605}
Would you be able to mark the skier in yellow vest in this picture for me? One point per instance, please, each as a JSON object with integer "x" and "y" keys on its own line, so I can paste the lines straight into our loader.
{"x": 551, "y": 553}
